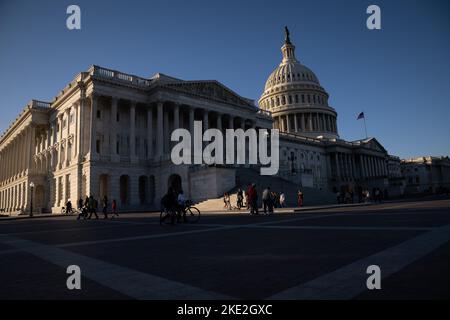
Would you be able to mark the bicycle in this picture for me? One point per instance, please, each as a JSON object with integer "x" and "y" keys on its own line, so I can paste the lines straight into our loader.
{"x": 64, "y": 211}
{"x": 190, "y": 215}
{"x": 167, "y": 215}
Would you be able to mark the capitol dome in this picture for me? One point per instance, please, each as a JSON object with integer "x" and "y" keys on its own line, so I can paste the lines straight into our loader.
{"x": 296, "y": 99}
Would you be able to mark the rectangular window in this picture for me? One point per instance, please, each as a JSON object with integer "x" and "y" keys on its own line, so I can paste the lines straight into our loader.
{"x": 97, "y": 146}
{"x": 117, "y": 117}
{"x": 99, "y": 114}
{"x": 303, "y": 98}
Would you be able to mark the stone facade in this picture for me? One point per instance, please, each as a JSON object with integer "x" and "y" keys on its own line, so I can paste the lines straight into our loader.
{"x": 108, "y": 133}
{"x": 426, "y": 174}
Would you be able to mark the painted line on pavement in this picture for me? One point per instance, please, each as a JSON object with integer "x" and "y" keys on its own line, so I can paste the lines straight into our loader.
{"x": 135, "y": 284}
{"x": 349, "y": 281}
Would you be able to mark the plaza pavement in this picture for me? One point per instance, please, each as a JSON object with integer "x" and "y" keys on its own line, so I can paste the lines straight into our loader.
{"x": 317, "y": 253}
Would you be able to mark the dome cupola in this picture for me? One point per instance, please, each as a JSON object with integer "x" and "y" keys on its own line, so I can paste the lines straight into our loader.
{"x": 296, "y": 99}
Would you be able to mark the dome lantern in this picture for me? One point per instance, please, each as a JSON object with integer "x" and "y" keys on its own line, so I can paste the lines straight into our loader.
{"x": 288, "y": 49}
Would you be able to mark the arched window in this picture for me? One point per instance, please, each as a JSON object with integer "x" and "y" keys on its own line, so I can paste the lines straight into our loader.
{"x": 124, "y": 189}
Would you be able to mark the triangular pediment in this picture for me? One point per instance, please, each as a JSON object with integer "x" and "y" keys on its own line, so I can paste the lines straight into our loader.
{"x": 373, "y": 144}
{"x": 211, "y": 89}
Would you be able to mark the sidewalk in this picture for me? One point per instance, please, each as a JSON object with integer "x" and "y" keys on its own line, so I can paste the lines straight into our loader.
{"x": 232, "y": 212}
{"x": 35, "y": 216}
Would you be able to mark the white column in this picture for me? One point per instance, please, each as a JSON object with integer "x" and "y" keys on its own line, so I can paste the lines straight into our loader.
{"x": 191, "y": 130}
{"x": 166, "y": 132}
{"x": 288, "y": 123}
{"x": 230, "y": 122}
{"x": 295, "y": 122}
{"x": 27, "y": 149}
{"x": 113, "y": 130}
{"x": 149, "y": 133}
{"x": 75, "y": 134}
{"x": 32, "y": 147}
{"x": 133, "y": 156}
{"x": 59, "y": 119}
{"x": 338, "y": 169}
{"x": 219, "y": 121}
{"x": 176, "y": 116}
{"x": 67, "y": 136}
{"x": 205, "y": 120}
{"x": 80, "y": 129}
{"x": 159, "y": 130}
{"x": 93, "y": 129}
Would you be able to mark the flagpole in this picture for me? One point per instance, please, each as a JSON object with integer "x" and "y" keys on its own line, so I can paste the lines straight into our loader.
{"x": 365, "y": 126}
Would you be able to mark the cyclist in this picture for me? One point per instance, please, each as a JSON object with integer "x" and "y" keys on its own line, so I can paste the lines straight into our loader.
{"x": 69, "y": 209}
{"x": 169, "y": 202}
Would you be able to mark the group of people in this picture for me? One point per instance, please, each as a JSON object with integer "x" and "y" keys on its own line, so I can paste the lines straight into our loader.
{"x": 270, "y": 200}
{"x": 364, "y": 195}
{"x": 90, "y": 206}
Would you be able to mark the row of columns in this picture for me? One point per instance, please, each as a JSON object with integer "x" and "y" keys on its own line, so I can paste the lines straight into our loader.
{"x": 160, "y": 134}
{"x": 303, "y": 99}
{"x": 369, "y": 167}
{"x": 15, "y": 157}
{"x": 14, "y": 197}
{"x": 53, "y": 151}
{"x": 303, "y": 122}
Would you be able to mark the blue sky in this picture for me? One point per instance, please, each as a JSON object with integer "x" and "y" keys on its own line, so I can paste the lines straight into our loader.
{"x": 399, "y": 76}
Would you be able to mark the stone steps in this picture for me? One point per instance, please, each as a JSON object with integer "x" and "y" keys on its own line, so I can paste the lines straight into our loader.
{"x": 246, "y": 176}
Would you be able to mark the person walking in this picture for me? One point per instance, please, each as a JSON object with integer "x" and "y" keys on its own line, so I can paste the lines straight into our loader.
{"x": 254, "y": 203}
{"x": 114, "y": 208}
{"x": 282, "y": 200}
{"x": 226, "y": 199}
{"x": 105, "y": 207}
{"x": 80, "y": 204}
{"x": 300, "y": 198}
{"x": 82, "y": 209}
{"x": 240, "y": 199}
{"x": 250, "y": 198}
{"x": 266, "y": 198}
{"x": 271, "y": 202}
{"x": 92, "y": 207}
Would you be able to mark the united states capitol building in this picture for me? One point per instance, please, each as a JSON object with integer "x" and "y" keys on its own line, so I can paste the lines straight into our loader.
{"x": 108, "y": 133}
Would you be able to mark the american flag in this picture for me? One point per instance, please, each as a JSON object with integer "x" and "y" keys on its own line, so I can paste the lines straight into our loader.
{"x": 360, "y": 116}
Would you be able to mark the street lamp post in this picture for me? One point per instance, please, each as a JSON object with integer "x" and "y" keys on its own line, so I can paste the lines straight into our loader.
{"x": 31, "y": 199}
